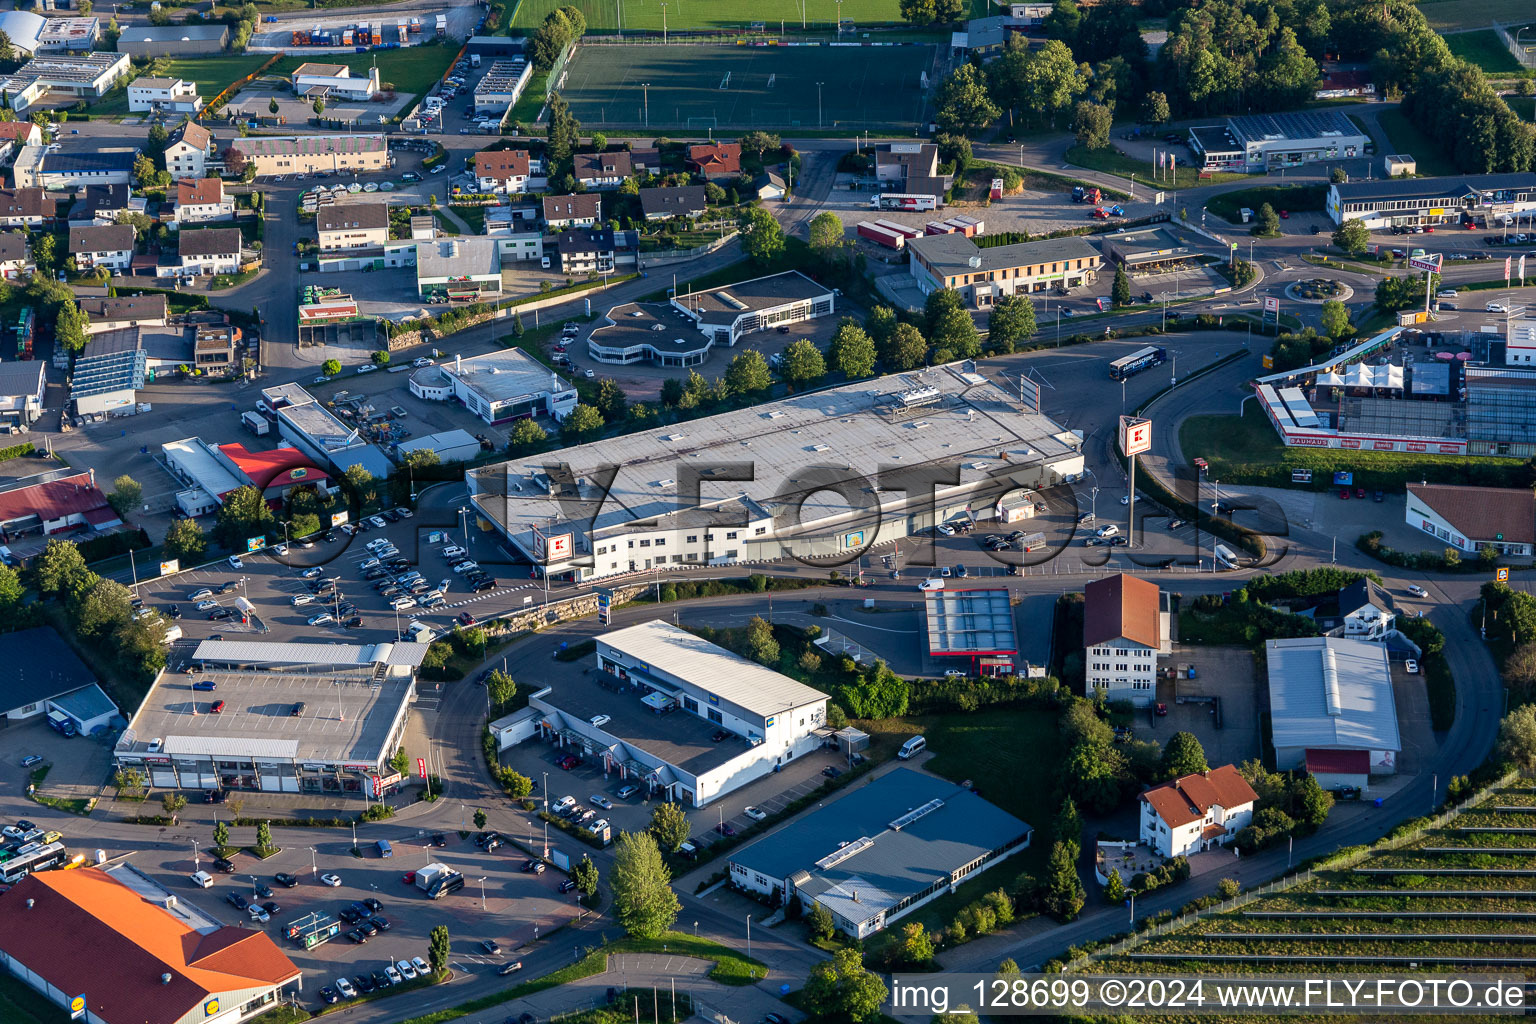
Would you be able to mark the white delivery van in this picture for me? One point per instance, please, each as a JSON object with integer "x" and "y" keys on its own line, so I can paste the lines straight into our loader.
{"x": 910, "y": 749}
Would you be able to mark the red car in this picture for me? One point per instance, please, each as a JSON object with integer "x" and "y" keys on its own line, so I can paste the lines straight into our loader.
{"x": 466, "y": 619}
{"x": 1360, "y": 493}
{"x": 409, "y": 878}
{"x": 569, "y": 761}
{"x": 1285, "y": 214}
{"x": 1344, "y": 493}
{"x": 1160, "y": 709}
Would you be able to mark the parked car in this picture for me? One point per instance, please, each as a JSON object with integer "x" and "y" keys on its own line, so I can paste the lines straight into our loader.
{"x": 755, "y": 813}
{"x": 1411, "y": 667}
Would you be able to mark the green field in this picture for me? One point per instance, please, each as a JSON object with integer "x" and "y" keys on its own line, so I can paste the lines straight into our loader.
{"x": 1112, "y": 161}
{"x": 1405, "y": 137}
{"x": 1450, "y": 15}
{"x": 412, "y": 70}
{"x": 1484, "y": 49}
{"x": 645, "y": 15}
{"x": 768, "y": 87}
{"x": 212, "y": 75}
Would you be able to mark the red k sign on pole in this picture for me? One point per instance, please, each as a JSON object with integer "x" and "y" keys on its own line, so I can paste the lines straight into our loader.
{"x": 421, "y": 767}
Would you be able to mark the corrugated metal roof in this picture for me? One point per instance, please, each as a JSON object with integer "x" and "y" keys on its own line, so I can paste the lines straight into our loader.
{"x": 1331, "y": 692}
{"x": 231, "y": 746}
{"x": 258, "y": 652}
{"x": 711, "y": 668}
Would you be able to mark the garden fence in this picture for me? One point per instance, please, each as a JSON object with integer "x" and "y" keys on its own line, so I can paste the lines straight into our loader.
{"x": 1347, "y": 860}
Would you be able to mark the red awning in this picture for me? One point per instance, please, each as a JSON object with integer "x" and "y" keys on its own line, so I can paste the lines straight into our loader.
{"x": 1338, "y": 762}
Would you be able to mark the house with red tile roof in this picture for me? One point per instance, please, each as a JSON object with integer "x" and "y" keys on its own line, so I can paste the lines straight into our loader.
{"x": 1196, "y": 812}
{"x": 715, "y": 159}
{"x": 51, "y": 505}
{"x": 1125, "y": 631}
{"x": 199, "y": 200}
{"x": 134, "y": 953}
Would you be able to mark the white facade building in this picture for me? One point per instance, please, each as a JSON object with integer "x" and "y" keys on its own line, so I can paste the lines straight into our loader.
{"x": 171, "y": 95}
{"x": 1196, "y": 812}
{"x": 1125, "y": 631}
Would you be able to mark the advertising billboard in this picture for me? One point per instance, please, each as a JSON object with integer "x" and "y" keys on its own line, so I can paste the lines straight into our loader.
{"x": 170, "y": 566}
{"x": 1135, "y": 435}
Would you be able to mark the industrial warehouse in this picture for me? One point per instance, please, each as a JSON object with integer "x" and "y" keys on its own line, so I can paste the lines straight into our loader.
{"x": 276, "y": 717}
{"x": 877, "y": 447}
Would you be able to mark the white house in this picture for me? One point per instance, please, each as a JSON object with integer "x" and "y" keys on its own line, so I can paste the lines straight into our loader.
{"x": 327, "y": 81}
{"x": 507, "y": 171}
{"x": 1367, "y": 610}
{"x": 95, "y": 245}
{"x": 168, "y": 95}
{"x": 15, "y": 255}
{"x": 190, "y": 149}
{"x": 209, "y": 251}
{"x": 1125, "y": 631}
{"x": 602, "y": 170}
{"x": 1196, "y": 812}
{"x": 199, "y": 200}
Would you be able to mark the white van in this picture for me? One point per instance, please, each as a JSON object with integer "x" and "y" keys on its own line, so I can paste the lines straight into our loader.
{"x": 453, "y": 551}
{"x": 910, "y": 749}
{"x": 202, "y": 879}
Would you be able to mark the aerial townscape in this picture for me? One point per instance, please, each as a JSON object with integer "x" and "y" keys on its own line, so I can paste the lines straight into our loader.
{"x": 634, "y": 467}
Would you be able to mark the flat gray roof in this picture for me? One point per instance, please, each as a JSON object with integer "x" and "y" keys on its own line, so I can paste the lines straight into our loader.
{"x": 506, "y": 374}
{"x": 967, "y": 622}
{"x": 727, "y": 303}
{"x": 348, "y": 716}
{"x": 317, "y": 423}
{"x": 457, "y": 257}
{"x": 635, "y": 324}
{"x": 259, "y": 652}
{"x": 711, "y": 668}
{"x": 953, "y": 253}
{"x": 1299, "y": 126}
{"x": 909, "y": 419}
{"x": 678, "y": 739}
{"x": 1332, "y": 693}
{"x": 867, "y": 865}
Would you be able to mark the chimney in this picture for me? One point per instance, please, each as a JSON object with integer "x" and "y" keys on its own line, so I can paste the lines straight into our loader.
{"x": 855, "y": 895}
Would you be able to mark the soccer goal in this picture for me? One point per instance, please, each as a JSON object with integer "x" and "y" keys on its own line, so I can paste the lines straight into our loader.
{"x": 702, "y": 122}
{"x": 771, "y": 79}
{"x": 725, "y": 83}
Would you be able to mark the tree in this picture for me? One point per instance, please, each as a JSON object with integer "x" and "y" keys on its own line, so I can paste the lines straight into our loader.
{"x": 500, "y": 689}
{"x": 126, "y": 494}
{"x": 564, "y": 130}
{"x": 1092, "y": 122}
{"x": 1335, "y": 318}
{"x": 1039, "y": 83}
{"x": 757, "y": 143}
{"x": 1339, "y": 175}
{"x": 1228, "y": 888}
{"x": 1183, "y": 755}
{"x": 802, "y": 364}
{"x": 331, "y": 367}
{"x": 761, "y": 645}
{"x": 1517, "y": 738}
{"x": 11, "y": 591}
{"x": 220, "y": 835}
{"x": 748, "y": 373}
{"x": 1311, "y": 802}
{"x": 954, "y": 337}
{"x": 1063, "y": 21}
{"x": 906, "y": 349}
{"x": 357, "y": 480}
{"x": 818, "y": 921}
{"x": 582, "y": 424}
{"x": 939, "y": 304}
{"x": 1396, "y": 293}
{"x": 1352, "y": 236}
{"x": 318, "y": 106}
{"x": 263, "y": 836}
{"x": 1269, "y": 222}
{"x": 69, "y": 327}
{"x": 1120, "y": 293}
{"x": 128, "y": 780}
{"x": 379, "y": 358}
{"x": 880, "y": 324}
{"x": 914, "y": 948}
{"x": 526, "y": 435}
{"x": 1068, "y": 824}
{"x": 962, "y": 102}
{"x": 438, "y": 947}
{"x": 670, "y": 826}
{"x": 480, "y": 818}
{"x": 1114, "y": 889}
{"x": 272, "y": 106}
{"x": 826, "y": 234}
{"x": 7, "y": 49}
{"x": 610, "y": 400}
{"x": 1154, "y": 108}
{"x": 643, "y": 900}
{"x": 173, "y": 803}
{"x": 1010, "y": 323}
{"x": 243, "y": 514}
{"x": 843, "y": 988}
{"x": 185, "y": 542}
{"x": 852, "y": 350}
{"x": 584, "y": 874}
{"x": 763, "y": 239}
{"x": 58, "y": 569}
{"x": 1063, "y": 895}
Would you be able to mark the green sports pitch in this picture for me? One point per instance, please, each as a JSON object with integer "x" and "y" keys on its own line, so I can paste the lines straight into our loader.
{"x": 723, "y": 86}
{"x": 645, "y": 15}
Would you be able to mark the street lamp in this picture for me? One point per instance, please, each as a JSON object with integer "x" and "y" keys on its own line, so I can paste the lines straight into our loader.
{"x": 482, "y": 892}
{"x": 313, "y": 869}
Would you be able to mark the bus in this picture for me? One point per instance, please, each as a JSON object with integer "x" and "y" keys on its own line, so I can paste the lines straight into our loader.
{"x": 1141, "y": 359}
{"x": 23, "y": 864}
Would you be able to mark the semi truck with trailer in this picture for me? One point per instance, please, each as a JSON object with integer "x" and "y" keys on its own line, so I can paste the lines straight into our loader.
{"x": 1141, "y": 359}
{"x": 903, "y": 201}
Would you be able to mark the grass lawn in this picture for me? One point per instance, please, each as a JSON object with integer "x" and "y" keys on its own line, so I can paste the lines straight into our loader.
{"x": 531, "y": 101}
{"x": 1295, "y": 198}
{"x": 21, "y": 1005}
{"x": 1449, "y": 15}
{"x": 411, "y": 70}
{"x": 211, "y": 74}
{"x": 1247, "y": 450}
{"x": 1113, "y": 161}
{"x": 1405, "y": 137}
{"x": 1485, "y": 50}
{"x": 474, "y": 216}
{"x": 637, "y": 15}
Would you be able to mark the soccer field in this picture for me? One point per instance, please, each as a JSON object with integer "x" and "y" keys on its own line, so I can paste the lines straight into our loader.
{"x": 645, "y": 15}
{"x": 776, "y": 87}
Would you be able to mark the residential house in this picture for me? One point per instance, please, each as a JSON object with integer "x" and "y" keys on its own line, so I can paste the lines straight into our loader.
{"x": 1125, "y": 631}
{"x": 24, "y": 207}
{"x": 507, "y": 171}
{"x": 213, "y": 348}
{"x": 1196, "y": 812}
{"x": 209, "y": 251}
{"x": 111, "y": 313}
{"x": 1367, "y": 611}
{"x": 190, "y": 149}
{"x": 16, "y": 134}
{"x": 645, "y": 161}
{"x": 345, "y": 226}
{"x": 96, "y": 245}
{"x": 602, "y": 170}
{"x": 715, "y": 160}
{"x": 666, "y": 203}
{"x": 578, "y": 211}
{"x": 15, "y": 257}
{"x": 167, "y": 95}
{"x": 585, "y": 251}
{"x": 100, "y": 204}
{"x": 199, "y": 200}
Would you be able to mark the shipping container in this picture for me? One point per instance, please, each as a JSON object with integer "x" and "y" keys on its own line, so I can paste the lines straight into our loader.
{"x": 936, "y": 227}
{"x": 882, "y": 236}
{"x": 903, "y": 230}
